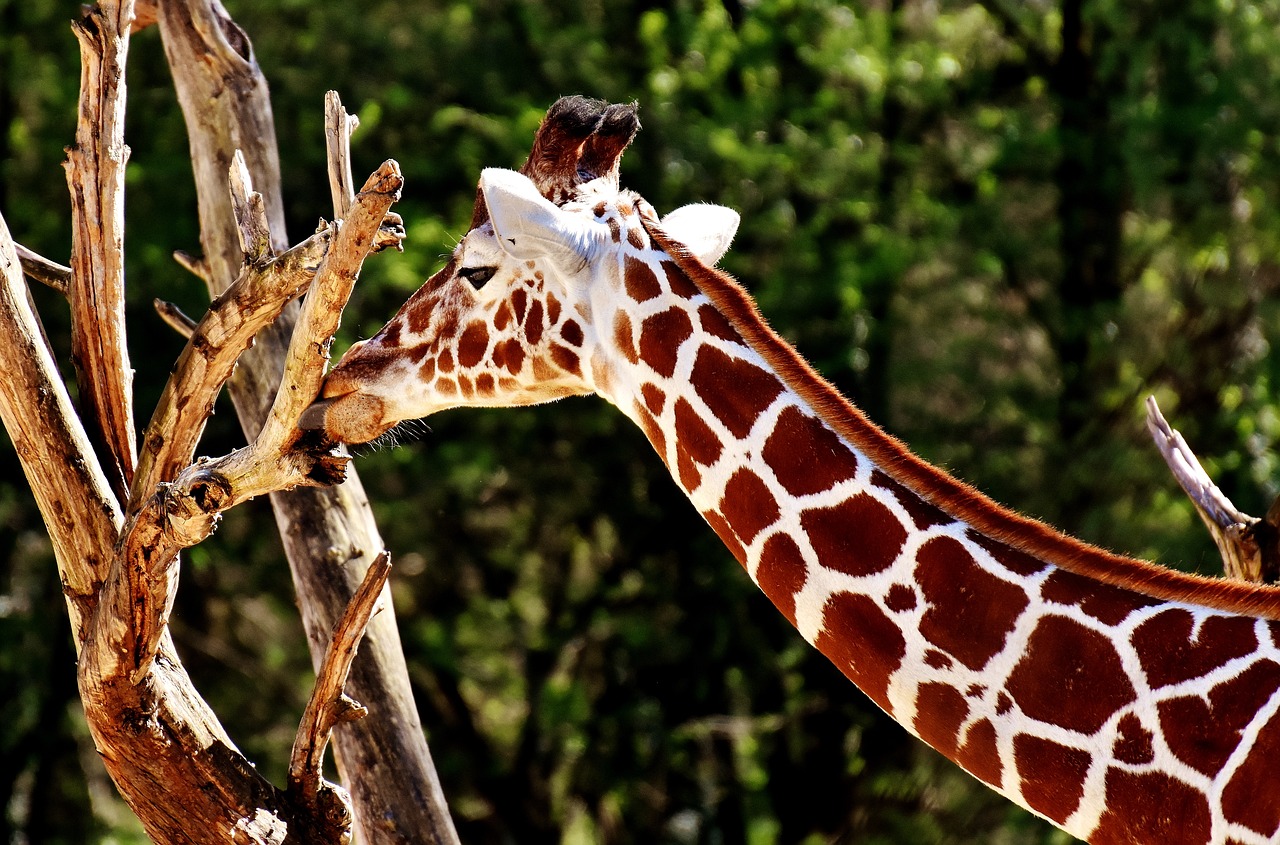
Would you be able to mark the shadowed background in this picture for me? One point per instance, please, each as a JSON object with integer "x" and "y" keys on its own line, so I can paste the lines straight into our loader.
{"x": 997, "y": 226}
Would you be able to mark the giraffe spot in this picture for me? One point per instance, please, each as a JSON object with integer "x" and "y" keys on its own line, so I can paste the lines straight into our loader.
{"x": 639, "y": 280}
{"x": 520, "y": 302}
{"x": 446, "y": 387}
{"x": 572, "y": 333}
{"x": 805, "y": 456}
{"x": 660, "y": 338}
{"x": 935, "y": 659}
{"x": 859, "y": 536}
{"x": 940, "y": 710}
{"x": 513, "y": 352}
{"x": 390, "y": 334}
{"x": 1172, "y": 649}
{"x": 693, "y": 436}
{"x": 420, "y": 312}
{"x": 1003, "y": 704}
{"x": 529, "y": 265}
{"x": 1070, "y": 676}
{"x": 625, "y": 209}
{"x": 690, "y": 478}
{"x": 417, "y": 353}
{"x": 1243, "y": 801}
{"x": 748, "y": 504}
{"x": 615, "y": 230}
{"x": 484, "y": 384}
{"x": 1109, "y": 604}
{"x": 502, "y": 318}
{"x": 1134, "y": 744}
{"x": 715, "y": 324}
{"x": 542, "y": 369}
{"x": 473, "y": 344}
{"x": 464, "y": 385}
{"x": 726, "y": 535}
{"x": 428, "y": 370}
{"x": 736, "y": 391}
{"x": 599, "y": 209}
{"x": 622, "y": 337}
{"x": 553, "y": 309}
{"x": 1051, "y": 775}
{"x": 863, "y": 643}
{"x": 508, "y": 385}
{"x": 677, "y": 282}
{"x": 1203, "y": 733}
{"x": 900, "y": 598}
{"x": 652, "y": 430}
{"x": 654, "y": 398}
{"x": 499, "y": 355}
{"x": 566, "y": 359}
{"x": 782, "y": 573}
{"x": 533, "y": 325}
{"x": 979, "y": 755}
{"x": 445, "y": 362}
{"x": 1017, "y": 562}
{"x": 636, "y": 238}
{"x": 975, "y": 691}
{"x": 922, "y": 513}
{"x": 970, "y": 611}
{"x": 1152, "y": 807}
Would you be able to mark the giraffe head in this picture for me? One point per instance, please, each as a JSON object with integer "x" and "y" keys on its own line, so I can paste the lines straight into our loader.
{"x": 521, "y": 313}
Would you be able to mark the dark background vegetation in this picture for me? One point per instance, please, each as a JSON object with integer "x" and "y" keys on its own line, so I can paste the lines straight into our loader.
{"x": 996, "y": 225}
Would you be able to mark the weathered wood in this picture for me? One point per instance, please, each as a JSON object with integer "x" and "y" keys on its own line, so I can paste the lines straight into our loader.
{"x": 95, "y": 176}
{"x": 1249, "y": 546}
{"x": 329, "y": 535}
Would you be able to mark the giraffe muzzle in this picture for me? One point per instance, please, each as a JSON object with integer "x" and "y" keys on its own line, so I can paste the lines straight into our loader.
{"x": 349, "y": 418}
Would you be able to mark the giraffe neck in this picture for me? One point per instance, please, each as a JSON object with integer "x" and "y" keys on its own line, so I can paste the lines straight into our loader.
{"x": 1069, "y": 679}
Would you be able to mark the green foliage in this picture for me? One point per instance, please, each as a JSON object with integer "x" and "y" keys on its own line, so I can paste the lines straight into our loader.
{"x": 997, "y": 226}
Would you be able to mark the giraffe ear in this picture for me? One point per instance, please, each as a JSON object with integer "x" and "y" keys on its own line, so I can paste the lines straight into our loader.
{"x": 528, "y": 225}
{"x": 705, "y": 230}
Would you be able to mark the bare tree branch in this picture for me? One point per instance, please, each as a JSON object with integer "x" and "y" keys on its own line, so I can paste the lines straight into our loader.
{"x": 75, "y": 500}
{"x": 95, "y": 175}
{"x": 329, "y": 534}
{"x": 175, "y": 318}
{"x": 48, "y": 273}
{"x": 1246, "y": 543}
{"x": 329, "y": 705}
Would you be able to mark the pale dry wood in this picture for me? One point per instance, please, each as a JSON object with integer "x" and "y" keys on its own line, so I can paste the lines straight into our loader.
{"x": 75, "y": 500}
{"x": 338, "y": 128}
{"x": 95, "y": 171}
{"x": 330, "y": 706}
{"x": 1246, "y": 543}
{"x": 168, "y": 515}
{"x": 174, "y": 317}
{"x": 48, "y": 273}
{"x": 329, "y": 534}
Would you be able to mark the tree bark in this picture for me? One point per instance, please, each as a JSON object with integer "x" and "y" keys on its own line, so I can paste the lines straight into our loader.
{"x": 329, "y": 535}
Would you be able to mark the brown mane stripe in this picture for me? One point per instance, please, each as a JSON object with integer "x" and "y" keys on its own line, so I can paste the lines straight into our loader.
{"x": 943, "y": 490}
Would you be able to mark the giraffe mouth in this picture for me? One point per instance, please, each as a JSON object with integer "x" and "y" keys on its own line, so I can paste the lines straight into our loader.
{"x": 351, "y": 417}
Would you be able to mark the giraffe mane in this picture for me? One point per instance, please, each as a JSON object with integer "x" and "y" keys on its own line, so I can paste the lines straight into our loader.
{"x": 957, "y": 498}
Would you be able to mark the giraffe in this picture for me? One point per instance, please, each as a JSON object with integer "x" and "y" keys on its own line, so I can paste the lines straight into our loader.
{"x": 1122, "y": 701}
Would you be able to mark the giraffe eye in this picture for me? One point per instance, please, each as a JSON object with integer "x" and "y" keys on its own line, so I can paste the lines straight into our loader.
{"x": 477, "y": 276}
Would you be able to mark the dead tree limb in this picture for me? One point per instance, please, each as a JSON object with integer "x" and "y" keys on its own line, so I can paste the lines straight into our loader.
{"x": 1249, "y": 546}
{"x": 330, "y": 706}
{"x": 329, "y": 534}
{"x": 95, "y": 176}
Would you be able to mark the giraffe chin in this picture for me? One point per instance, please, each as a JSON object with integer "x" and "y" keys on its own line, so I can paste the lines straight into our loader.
{"x": 348, "y": 418}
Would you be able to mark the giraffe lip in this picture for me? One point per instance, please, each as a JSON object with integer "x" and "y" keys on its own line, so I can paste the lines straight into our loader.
{"x": 312, "y": 419}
